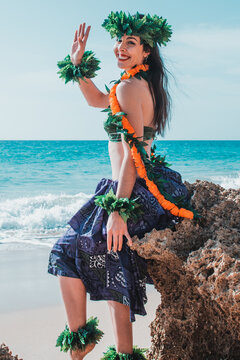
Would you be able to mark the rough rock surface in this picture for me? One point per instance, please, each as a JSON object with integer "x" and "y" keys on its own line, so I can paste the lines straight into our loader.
{"x": 6, "y": 354}
{"x": 196, "y": 268}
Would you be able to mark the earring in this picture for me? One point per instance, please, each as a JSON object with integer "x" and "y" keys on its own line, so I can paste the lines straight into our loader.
{"x": 145, "y": 60}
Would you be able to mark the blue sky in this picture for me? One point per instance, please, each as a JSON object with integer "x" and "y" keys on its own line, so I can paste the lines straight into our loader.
{"x": 203, "y": 56}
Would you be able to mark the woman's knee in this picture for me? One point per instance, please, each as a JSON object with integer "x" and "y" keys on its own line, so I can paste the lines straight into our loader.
{"x": 71, "y": 285}
{"x": 120, "y": 313}
{"x": 117, "y": 306}
{"x": 73, "y": 293}
{"x": 74, "y": 297}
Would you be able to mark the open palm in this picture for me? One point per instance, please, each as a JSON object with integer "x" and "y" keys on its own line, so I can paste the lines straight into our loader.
{"x": 79, "y": 44}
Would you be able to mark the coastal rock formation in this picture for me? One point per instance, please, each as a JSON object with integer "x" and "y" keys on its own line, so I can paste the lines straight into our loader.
{"x": 196, "y": 268}
{"x": 6, "y": 354}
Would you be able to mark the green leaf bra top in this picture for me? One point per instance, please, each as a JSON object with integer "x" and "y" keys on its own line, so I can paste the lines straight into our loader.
{"x": 114, "y": 136}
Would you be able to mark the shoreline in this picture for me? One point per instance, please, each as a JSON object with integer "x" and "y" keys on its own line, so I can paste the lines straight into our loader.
{"x": 32, "y": 312}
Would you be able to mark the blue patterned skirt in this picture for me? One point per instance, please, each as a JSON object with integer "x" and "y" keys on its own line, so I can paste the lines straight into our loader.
{"x": 82, "y": 251}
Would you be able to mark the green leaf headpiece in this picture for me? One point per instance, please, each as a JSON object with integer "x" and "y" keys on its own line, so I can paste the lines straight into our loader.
{"x": 152, "y": 30}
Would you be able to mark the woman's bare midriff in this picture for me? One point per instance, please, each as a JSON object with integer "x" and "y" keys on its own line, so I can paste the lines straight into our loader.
{"x": 116, "y": 156}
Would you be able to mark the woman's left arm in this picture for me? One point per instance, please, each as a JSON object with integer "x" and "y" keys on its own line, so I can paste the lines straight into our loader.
{"x": 130, "y": 102}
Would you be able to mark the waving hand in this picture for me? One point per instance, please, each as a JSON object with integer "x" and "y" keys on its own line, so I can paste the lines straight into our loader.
{"x": 79, "y": 44}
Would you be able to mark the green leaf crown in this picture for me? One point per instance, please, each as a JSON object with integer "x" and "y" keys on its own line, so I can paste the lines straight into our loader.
{"x": 152, "y": 30}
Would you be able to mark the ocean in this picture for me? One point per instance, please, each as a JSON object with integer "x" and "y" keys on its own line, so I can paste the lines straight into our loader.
{"x": 43, "y": 183}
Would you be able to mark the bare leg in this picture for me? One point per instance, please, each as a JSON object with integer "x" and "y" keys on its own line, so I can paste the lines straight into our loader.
{"x": 74, "y": 297}
{"x": 122, "y": 327}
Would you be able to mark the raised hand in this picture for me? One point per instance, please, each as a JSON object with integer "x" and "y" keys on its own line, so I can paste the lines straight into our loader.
{"x": 79, "y": 44}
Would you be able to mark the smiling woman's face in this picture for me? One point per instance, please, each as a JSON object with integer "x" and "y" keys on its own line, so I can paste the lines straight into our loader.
{"x": 129, "y": 52}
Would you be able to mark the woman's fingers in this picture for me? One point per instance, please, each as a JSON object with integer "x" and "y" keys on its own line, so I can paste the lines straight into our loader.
{"x": 75, "y": 36}
{"x": 79, "y": 30}
{"x": 81, "y": 34}
{"x": 115, "y": 242}
{"x": 87, "y": 33}
{"x": 109, "y": 240}
{"x": 129, "y": 238}
{"x": 120, "y": 242}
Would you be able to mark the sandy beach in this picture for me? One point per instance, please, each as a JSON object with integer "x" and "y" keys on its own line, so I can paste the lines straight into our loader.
{"x": 32, "y": 313}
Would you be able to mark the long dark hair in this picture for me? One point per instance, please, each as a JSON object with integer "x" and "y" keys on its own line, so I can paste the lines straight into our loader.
{"x": 158, "y": 85}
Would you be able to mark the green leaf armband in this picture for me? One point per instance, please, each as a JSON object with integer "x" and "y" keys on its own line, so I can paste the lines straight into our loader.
{"x": 127, "y": 208}
{"x": 86, "y": 69}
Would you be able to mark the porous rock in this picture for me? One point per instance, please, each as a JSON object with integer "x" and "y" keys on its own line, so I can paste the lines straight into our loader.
{"x": 196, "y": 268}
{"x": 6, "y": 354}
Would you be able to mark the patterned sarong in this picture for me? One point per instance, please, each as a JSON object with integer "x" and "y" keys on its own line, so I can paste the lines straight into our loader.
{"x": 82, "y": 251}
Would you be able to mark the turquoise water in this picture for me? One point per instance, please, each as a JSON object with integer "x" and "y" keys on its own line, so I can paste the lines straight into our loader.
{"x": 42, "y": 183}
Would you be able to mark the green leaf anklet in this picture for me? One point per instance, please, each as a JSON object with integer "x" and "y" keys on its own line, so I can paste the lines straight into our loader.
{"x": 78, "y": 340}
{"x": 87, "y": 68}
{"x": 112, "y": 354}
{"x": 127, "y": 208}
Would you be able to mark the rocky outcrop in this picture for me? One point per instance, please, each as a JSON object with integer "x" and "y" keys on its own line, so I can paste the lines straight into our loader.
{"x": 196, "y": 268}
{"x": 6, "y": 354}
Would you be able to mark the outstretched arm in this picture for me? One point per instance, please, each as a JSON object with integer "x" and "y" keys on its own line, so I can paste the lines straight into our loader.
{"x": 92, "y": 94}
{"x": 129, "y": 101}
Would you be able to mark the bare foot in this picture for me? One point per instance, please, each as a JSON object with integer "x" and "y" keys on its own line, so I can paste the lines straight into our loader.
{"x": 80, "y": 354}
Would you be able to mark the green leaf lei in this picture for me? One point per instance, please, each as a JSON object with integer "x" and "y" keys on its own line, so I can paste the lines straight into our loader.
{"x": 87, "y": 68}
{"x": 78, "y": 340}
{"x": 111, "y": 354}
{"x": 152, "y": 30}
{"x": 127, "y": 208}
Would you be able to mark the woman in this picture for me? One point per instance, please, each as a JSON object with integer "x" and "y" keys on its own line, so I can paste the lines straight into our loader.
{"x": 94, "y": 255}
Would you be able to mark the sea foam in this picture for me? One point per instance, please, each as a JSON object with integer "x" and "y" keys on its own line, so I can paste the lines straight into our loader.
{"x": 41, "y": 220}
{"x": 227, "y": 182}
{"x": 37, "y": 220}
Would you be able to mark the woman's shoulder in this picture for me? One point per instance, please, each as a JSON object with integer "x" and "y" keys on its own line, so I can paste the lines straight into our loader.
{"x": 131, "y": 87}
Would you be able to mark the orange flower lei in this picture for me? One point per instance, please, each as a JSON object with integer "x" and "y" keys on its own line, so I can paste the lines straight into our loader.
{"x": 115, "y": 108}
